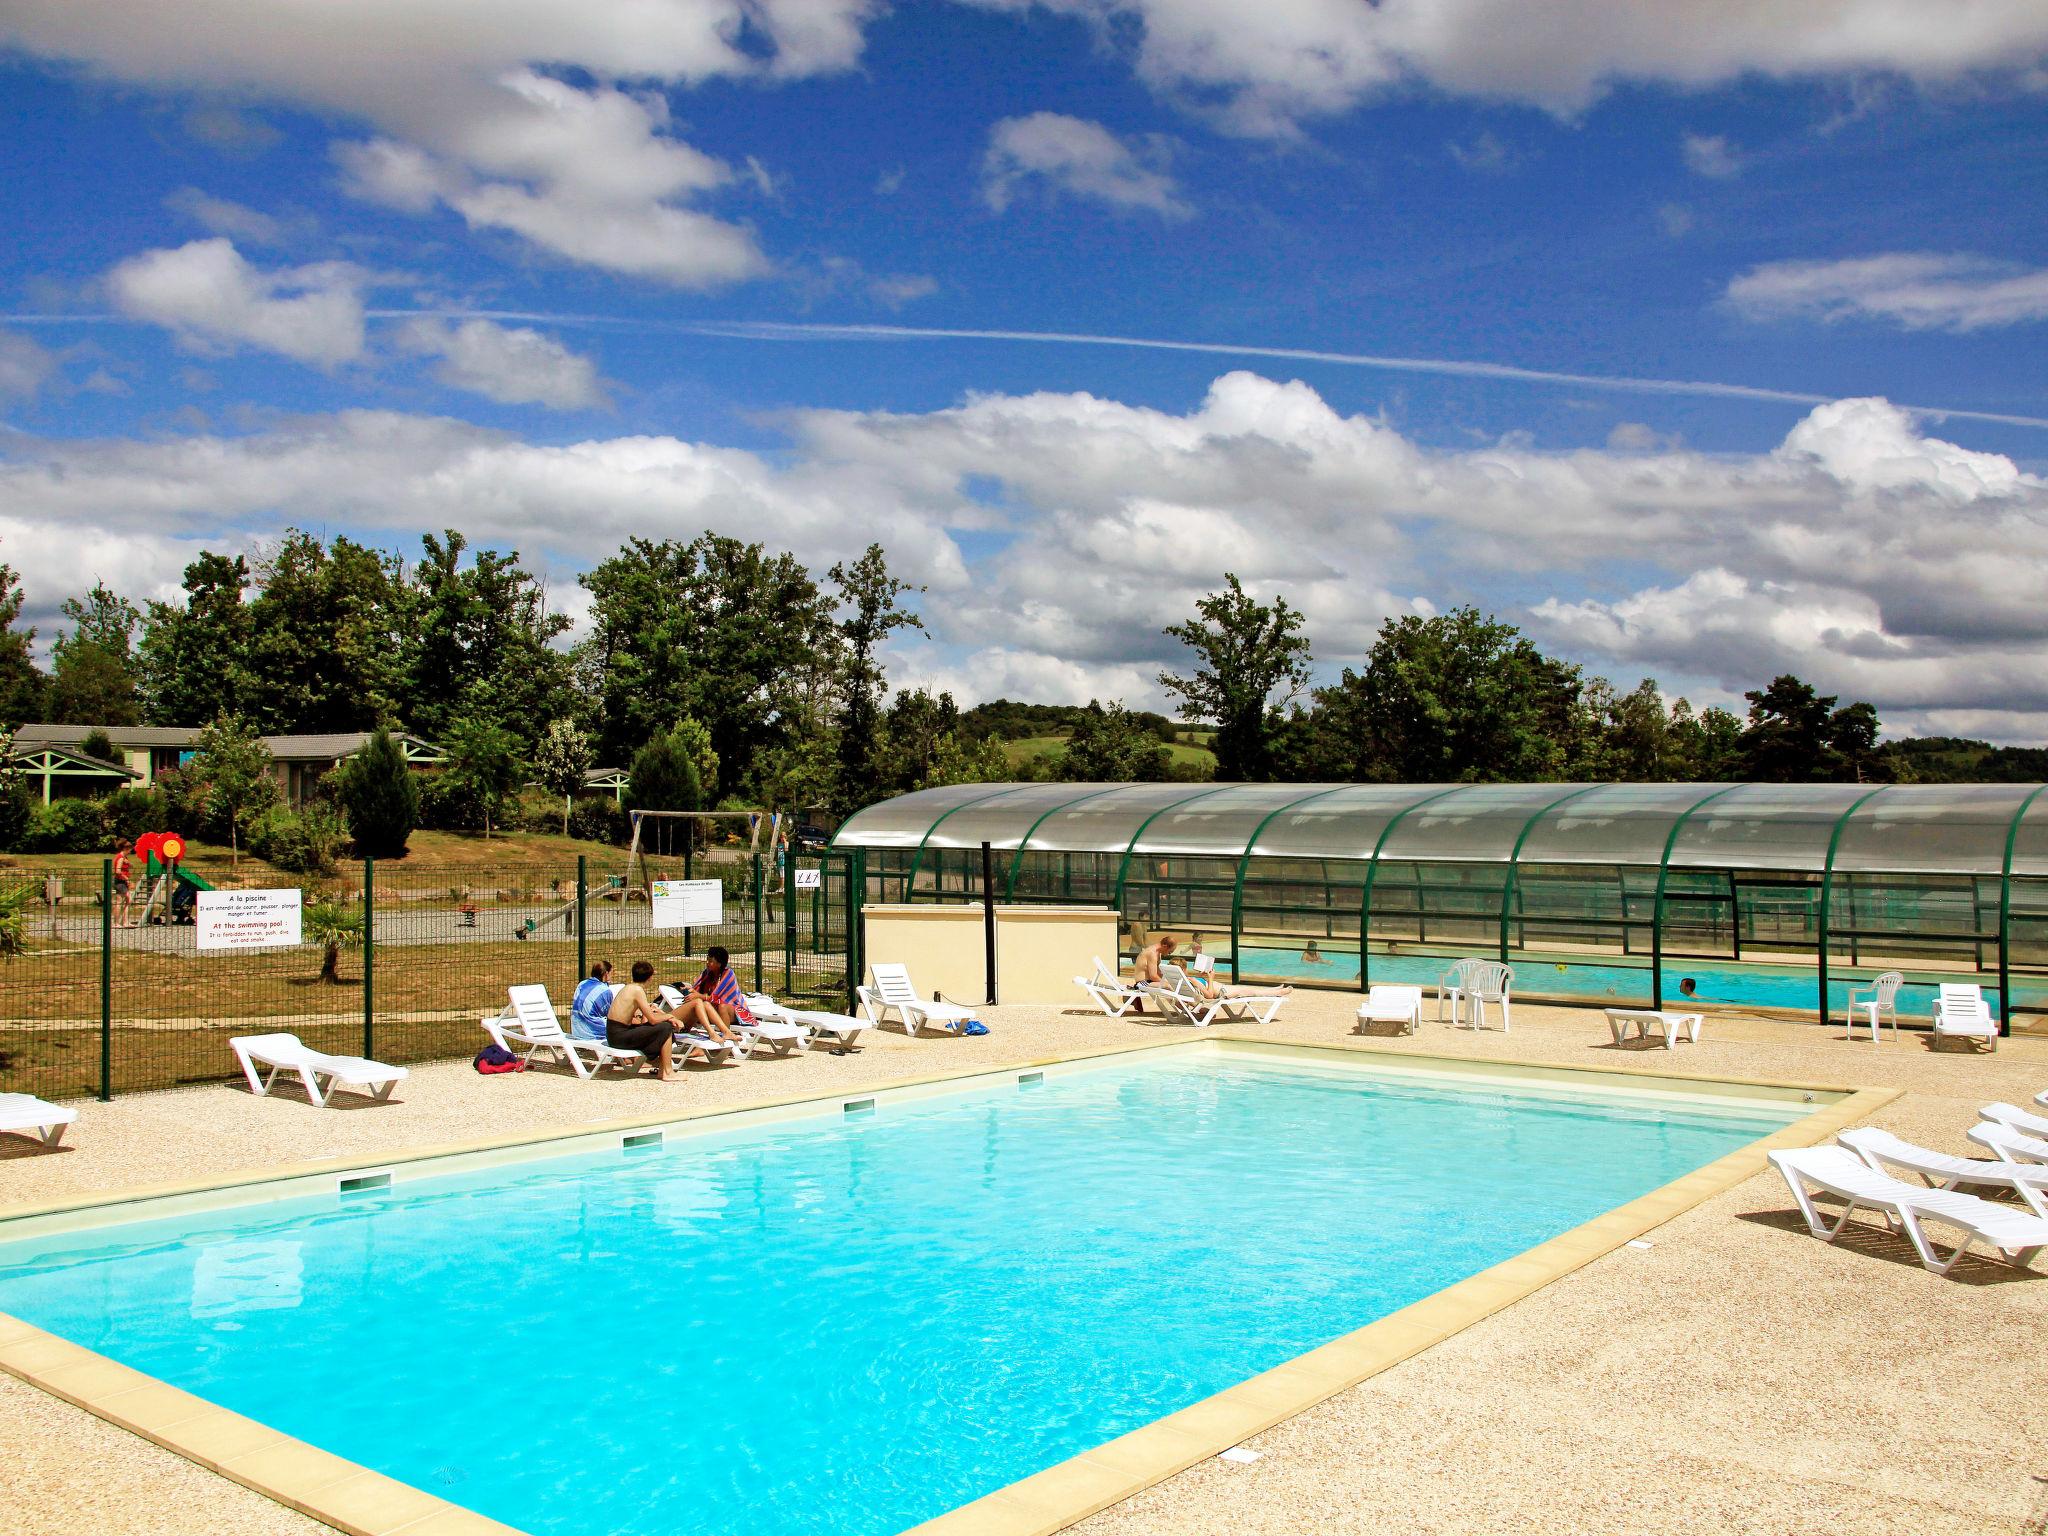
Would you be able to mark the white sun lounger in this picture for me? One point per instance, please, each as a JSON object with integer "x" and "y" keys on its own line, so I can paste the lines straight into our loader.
{"x": 530, "y": 1020}
{"x": 1180, "y": 995}
{"x": 1960, "y": 1010}
{"x": 288, "y": 1053}
{"x": 2014, "y": 1118}
{"x": 2010, "y": 1145}
{"x": 1387, "y": 1004}
{"x": 1110, "y": 992}
{"x": 893, "y": 993}
{"x": 2017, "y": 1235}
{"x": 767, "y": 1027}
{"x": 842, "y": 1029}
{"x": 1943, "y": 1170}
{"x": 25, "y": 1112}
{"x": 1653, "y": 1021}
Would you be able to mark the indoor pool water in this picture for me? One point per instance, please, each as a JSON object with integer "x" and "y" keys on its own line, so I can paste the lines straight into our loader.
{"x": 1713, "y": 982}
{"x": 844, "y": 1325}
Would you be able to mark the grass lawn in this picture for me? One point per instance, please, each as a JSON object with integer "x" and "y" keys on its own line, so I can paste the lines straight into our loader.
{"x": 1183, "y": 752}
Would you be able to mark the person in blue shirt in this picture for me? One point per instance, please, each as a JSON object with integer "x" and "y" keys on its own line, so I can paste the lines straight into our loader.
{"x": 592, "y": 1003}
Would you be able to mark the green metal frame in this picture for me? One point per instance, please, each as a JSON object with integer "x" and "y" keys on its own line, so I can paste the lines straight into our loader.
{"x": 1657, "y": 904}
{"x": 1372, "y": 870}
{"x": 1244, "y": 863}
{"x": 2012, "y": 837}
{"x": 1827, "y": 886}
{"x": 1507, "y": 887}
{"x": 1123, "y": 869}
{"x": 917, "y": 863}
{"x": 1017, "y": 859}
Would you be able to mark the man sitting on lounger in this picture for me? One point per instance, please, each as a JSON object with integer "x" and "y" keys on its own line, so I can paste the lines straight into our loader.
{"x": 714, "y": 1005}
{"x": 1160, "y": 951}
{"x": 633, "y": 1023}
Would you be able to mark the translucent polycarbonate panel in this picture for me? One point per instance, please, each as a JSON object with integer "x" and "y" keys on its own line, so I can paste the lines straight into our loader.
{"x": 1107, "y": 823}
{"x": 1614, "y": 824}
{"x": 1344, "y": 824}
{"x": 1947, "y": 829}
{"x": 2030, "y": 846}
{"x": 904, "y": 821}
{"x": 1219, "y": 824}
{"x": 1765, "y": 826}
{"x": 1432, "y": 903}
{"x": 1479, "y": 823}
{"x": 1003, "y": 821}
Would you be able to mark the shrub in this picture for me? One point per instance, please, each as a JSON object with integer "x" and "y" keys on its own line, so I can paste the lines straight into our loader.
{"x": 128, "y": 813}
{"x": 183, "y": 795}
{"x": 380, "y": 796}
{"x": 600, "y": 821}
{"x": 97, "y": 743}
{"x": 449, "y": 805}
{"x": 17, "y": 811}
{"x": 664, "y": 777}
{"x": 304, "y": 842}
{"x": 67, "y": 826}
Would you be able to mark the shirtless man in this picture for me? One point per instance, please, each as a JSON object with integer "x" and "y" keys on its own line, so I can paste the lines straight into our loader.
{"x": 1161, "y": 950}
{"x": 633, "y": 1023}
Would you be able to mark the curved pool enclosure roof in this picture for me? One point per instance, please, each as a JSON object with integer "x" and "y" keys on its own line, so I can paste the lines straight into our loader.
{"x": 1949, "y": 829}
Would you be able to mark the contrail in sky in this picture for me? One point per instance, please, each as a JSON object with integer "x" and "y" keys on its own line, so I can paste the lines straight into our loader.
{"x": 1450, "y": 367}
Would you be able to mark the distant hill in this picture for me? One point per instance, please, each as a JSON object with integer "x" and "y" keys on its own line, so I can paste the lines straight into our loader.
{"x": 1010, "y": 720}
{"x": 1959, "y": 760}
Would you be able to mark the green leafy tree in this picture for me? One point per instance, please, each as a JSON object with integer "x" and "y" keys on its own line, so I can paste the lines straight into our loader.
{"x": 560, "y": 760}
{"x": 869, "y": 602}
{"x": 664, "y": 778}
{"x": 21, "y": 682}
{"x": 480, "y": 642}
{"x": 97, "y": 743}
{"x": 326, "y": 642}
{"x": 93, "y": 663}
{"x": 695, "y": 739}
{"x": 1251, "y": 659}
{"x": 638, "y": 654}
{"x": 484, "y": 763}
{"x": 17, "y": 805}
{"x": 334, "y": 926}
{"x": 380, "y": 796}
{"x": 921, "y": 746}
{"x": 236, "y": 767}
{"x": 1110, "y": 745}
{"x": 193, "y": 658}
{"x": 1707, "y": 746}
{"x": 1796, "y": 735}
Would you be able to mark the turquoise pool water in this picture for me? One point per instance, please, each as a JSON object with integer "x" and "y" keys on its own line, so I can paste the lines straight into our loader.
{"x": 1713, "y": 982}
{"x": 843, "y": 1326}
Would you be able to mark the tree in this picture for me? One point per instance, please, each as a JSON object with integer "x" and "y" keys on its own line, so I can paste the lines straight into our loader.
{"x": 1704, "y": 747}
{"x": 1797, "y": 735}
{"x": 97, "y": 743}
{"x": 193, "y": 658}
{"x": 16, "y": 806}
{"x": 695, "y": 739}
{"x": 326, "y": 645}
{"x": 21, "y": 682}
{"x": 334, "y": 926}
{"x": 663, "y": 778}
{"x": 870, "y": 610}
{"x": 1111, "y": 744}
{"x": 480, "y": 642}
{"x": 560, "y": 760}
{"x": 380, "y": 797}
{"x": 236, "y": 766}
{"x": 921, "y": 747}
{"x": 1247, "y": 653}
{"x": 484, "y": 762}
{"x": 93, "y": 664}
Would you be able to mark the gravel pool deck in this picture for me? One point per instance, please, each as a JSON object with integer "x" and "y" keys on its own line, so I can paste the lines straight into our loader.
{"x": 1736, "y": 1376}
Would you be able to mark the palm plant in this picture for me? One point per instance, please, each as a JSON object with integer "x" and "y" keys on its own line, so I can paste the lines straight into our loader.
{"x": 14, "y": 919}
{"x": 334, "y": 926}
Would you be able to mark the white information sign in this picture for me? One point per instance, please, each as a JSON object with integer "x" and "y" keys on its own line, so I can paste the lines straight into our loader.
{"x": 248, "y": 919}
{"x": 687, "y": 903}
{"x": 809, "y": 879}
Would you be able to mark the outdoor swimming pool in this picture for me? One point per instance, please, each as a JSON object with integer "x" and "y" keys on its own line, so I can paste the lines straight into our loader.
{"x": 844, "y": 1324}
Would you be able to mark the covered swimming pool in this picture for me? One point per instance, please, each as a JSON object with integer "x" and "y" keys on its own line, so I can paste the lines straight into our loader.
{"x": 1765, "y": 896}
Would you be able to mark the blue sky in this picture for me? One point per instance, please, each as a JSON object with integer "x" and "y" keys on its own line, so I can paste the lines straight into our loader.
{"x": 589, "y": 272}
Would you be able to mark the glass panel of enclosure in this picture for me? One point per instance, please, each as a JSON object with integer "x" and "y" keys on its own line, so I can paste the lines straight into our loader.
{"x": 1613, "y": 824}
{"x": 1221, "y": 822}
{"x": 904, "y": 821}
{"x": 1942, "y": 829}
{"x": 1107, "y": 823}
{"x": 1765, "y": 826}
{"x": 1480, "y": 822}
{"x": 1002, "y": 820}
{"x": 1345, "y": 823}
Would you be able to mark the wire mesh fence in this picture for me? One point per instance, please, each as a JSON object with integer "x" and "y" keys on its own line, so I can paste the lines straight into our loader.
{"x": 108, "y": 996}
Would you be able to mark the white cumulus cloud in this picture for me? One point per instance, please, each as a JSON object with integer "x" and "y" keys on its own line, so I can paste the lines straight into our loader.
{"x": 1083, "y": 159}
{"x": 206, "y": 293}
{"x": 1919, "y": 290}
{"x": 1712, "y": 156}
{"x": 513, "y": 365}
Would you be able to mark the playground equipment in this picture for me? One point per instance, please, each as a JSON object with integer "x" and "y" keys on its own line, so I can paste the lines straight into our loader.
{"x": 166, "y": 880}
{"x": 633, "y": 884}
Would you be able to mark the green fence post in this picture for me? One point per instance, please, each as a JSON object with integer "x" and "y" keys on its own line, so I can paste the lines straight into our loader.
{"x": 689, "y": 864}
{"x": 789, "y": 919}
{"x": 106, "y": 980}
{"x": 370, "y": 958}
{"x": 856, "y": 898}
{"x": 759, "y": 935}
{"x": 582, "y": 918}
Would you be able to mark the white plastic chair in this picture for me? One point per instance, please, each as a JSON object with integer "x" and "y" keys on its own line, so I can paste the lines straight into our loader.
{"x": 1960, "y": 1011}
{"x": 1876, "y": 1001}
{"x": 1471, "y": 985}
{"x": 1451, "y": 987}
